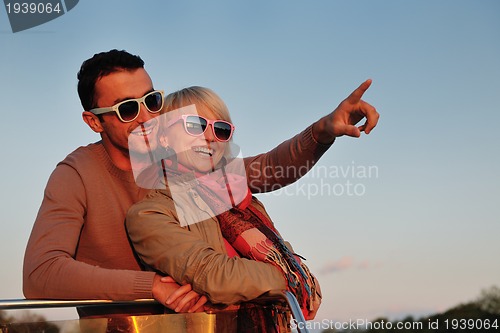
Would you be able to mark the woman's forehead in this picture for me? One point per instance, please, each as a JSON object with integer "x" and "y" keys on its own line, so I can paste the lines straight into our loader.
{"x": 205, "y": 111}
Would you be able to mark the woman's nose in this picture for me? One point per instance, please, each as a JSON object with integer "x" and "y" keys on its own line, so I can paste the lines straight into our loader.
{"x": 209, "y": 133}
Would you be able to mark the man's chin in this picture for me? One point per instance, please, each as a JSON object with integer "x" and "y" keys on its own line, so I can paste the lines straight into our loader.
{"x": 142, "y": 154}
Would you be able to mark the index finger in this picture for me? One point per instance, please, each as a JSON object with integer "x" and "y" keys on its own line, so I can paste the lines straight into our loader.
{"x": 357, "y": 94}
{"x": 201, "y": 301}
{"x": 178, "y": 293}
{"x": 190, "y": 296}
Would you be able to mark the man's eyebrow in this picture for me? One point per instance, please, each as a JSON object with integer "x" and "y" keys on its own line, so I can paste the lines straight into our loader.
{"x": 118, "y": 100}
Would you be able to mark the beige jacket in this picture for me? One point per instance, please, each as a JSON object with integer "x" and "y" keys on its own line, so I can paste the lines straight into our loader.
{"x": 196, "y": 253}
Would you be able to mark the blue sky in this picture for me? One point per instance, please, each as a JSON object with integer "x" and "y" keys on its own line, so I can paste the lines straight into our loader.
{"x": 421, "y": 233}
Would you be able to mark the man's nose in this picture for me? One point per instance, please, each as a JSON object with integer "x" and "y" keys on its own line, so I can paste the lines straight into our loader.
{"x": 144, "y": 114}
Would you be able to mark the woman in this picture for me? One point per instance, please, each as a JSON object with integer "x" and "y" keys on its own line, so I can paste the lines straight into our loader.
{"x": 201, "y": 225}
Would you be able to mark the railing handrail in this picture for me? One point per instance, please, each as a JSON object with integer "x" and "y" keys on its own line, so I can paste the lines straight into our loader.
{"x": 18, "y": 304}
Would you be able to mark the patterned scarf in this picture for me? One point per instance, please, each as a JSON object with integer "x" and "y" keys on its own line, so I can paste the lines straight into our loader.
{"x": 252, "y": 233}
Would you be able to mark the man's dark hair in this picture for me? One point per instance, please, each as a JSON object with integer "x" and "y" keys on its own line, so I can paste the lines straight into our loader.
{"x": 102, "y": 64}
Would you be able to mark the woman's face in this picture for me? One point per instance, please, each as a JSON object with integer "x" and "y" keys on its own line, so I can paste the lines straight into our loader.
{"x": 198, "y": 153}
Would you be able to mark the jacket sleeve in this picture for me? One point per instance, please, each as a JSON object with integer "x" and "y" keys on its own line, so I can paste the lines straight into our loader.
{"x": 285, "y": 164}
{"x": 165, "y": 246}
{"x": 50, "y": 270}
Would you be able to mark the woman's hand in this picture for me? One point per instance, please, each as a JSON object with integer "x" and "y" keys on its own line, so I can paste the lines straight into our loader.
{"x": 176, "y": 297}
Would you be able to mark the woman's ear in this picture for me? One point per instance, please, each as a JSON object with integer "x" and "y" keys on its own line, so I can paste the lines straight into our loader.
{"x": 93, "y": 121}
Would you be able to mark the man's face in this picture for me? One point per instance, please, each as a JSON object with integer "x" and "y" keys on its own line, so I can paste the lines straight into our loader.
{"x": 117, "y": 87}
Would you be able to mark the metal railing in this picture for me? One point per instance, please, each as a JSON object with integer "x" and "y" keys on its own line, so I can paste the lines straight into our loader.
{"x": 285, "y": 297}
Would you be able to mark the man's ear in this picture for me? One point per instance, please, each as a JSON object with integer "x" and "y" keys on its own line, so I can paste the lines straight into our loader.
{"x": 93, "y": 121}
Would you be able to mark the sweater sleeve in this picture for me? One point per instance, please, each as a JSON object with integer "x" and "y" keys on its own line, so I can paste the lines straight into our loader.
{"x": 285, "y": 164}
{"x": 165, "y": 246}
{"x": 50, "y": 270}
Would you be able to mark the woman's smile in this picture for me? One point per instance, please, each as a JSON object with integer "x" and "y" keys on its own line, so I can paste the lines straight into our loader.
{"x": 204, "y": 151}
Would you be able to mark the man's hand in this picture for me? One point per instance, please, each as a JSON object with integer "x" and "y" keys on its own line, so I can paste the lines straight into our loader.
{"x": 342, "y": 120}
{"x": 176, "y": 297}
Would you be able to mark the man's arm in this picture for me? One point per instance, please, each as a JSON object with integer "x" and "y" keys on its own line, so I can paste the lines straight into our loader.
{"x": 293, "y": 158}
{"x": 50, "y": 270}
{"x": 285, "y": 164}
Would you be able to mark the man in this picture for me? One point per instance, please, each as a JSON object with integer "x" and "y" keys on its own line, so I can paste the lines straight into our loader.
{"x": 78, "y": 248}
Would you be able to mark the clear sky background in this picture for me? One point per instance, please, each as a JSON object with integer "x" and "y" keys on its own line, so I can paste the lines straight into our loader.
{"x": 417, "y": 235}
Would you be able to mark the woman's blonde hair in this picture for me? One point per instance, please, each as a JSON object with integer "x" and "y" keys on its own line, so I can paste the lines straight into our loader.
{"x": 199, "y": 96}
